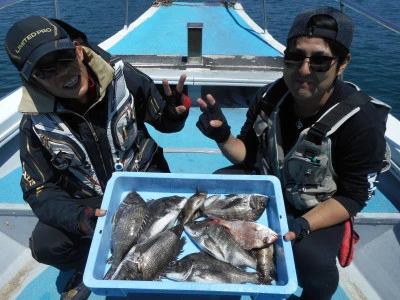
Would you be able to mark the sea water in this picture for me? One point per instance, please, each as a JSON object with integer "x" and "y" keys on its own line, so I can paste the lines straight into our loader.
{"x": 374, "y": 67}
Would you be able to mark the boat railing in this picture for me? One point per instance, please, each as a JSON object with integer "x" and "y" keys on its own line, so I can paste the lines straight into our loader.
{"x": 377, "y": 19}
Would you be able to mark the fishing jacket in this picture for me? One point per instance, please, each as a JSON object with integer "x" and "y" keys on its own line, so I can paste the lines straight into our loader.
{"x": 67, "y": 156}
{"x": 314, "y": 161}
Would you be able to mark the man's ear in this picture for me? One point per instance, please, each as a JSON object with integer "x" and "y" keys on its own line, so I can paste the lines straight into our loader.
{"x": 343, "y": 66}
{"x": 79, "y": 50}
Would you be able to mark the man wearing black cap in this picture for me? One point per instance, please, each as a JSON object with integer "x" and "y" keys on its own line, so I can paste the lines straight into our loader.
{"x": 83, "y": 119}
{"x": 320, "y": 136}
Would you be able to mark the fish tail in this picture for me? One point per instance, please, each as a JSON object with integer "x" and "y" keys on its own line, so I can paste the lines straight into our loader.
{"x": 269, "y": 276}
{"x": 178, "y": 229}
{"x": 172, "y": 264}
{"x": 259, "y": 278}
{"x": 198, "y": 192}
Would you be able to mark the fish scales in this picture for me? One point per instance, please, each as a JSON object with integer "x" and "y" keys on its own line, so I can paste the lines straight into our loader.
{"x": 200, "y": 212}
{"x": 265, "y": 258}
{"x": 218, "y": 242}
{"x": 249, "y": 234}
{"x": 161, "y": 214}
{"x": 193, "y": 204}
{"x": 201, "y": 267}
{"x": 146, "y": 261}
{"x": 245, "y": 207}
{"x": 126, "y": 223}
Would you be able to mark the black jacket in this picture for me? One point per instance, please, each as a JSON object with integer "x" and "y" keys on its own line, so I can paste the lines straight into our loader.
{"x": 358, "y": 146}
{"x": 52, "y": 194}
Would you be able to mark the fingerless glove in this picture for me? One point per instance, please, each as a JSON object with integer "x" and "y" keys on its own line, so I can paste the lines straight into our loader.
{"x": 87, "y": 221}
{"x": 300, "y": 227}
{"x": 218, "y": 134}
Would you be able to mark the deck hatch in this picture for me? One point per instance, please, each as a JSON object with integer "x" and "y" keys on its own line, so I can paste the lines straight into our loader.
{"x": 195, "y": 43}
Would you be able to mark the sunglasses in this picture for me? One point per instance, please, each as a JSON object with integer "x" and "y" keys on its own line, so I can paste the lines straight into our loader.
{"x": 48, "y": 65}
{"x": 317, "y": 63}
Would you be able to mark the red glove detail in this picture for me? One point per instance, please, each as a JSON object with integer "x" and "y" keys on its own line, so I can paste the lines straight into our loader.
{"x": 186, "y": 101}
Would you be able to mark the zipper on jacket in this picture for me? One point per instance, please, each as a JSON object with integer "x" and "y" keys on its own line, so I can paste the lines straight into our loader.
{"x": 92, "y": 130}
{"x": 139, "y": 156}
{"x": 97, "y": 144}
{"x": 125, "y": 112}
{"x": 87, "y": 120}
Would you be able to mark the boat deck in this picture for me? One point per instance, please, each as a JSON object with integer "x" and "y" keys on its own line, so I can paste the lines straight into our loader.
{"x": 182, "y": 13}
{"x": 244, "y": 53}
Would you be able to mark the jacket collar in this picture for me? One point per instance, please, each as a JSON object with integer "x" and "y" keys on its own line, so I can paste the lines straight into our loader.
{"x": 35, "y": 100}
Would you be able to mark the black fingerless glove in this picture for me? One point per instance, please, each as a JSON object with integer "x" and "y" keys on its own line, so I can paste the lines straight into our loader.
{"x": 300, "y": 227}
{"x": 175, "y": 98}
{"x": 218, "y": 134}
{"x": 87, "y": 221}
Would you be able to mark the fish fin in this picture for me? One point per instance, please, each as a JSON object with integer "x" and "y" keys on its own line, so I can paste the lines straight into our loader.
{"x": 211, "y": 217}
{"x": 182, "y": 243}
{"x": 171, "y": 265}
{"x": 243, "y": 245}
{"x": 233, "y": 203}
{"x": 179, "y": 250}
{"x": 212, "y": 220}
{"x": 230, "y": 195}
{"x": 198, "y": 192}
{"x": 242, "y": 268}
{"x": 177, "y": 229}
{"x": 110, "y": 259}
{"x": 146, "y": 220}
{"x": 268, "y": 278}
{"x": 159, "y": 278}
{"x": 197, "y": 214}
{"x": 109, "y": 273}
{"x": 216, "y": 249}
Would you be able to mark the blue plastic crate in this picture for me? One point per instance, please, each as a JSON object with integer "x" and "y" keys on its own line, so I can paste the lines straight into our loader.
{"x": 156, "y": 185}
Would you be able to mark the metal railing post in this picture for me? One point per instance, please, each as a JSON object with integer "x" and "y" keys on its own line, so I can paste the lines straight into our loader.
{"x": 357, "y": 8}
{"x": 56, "y": 10}
{"x": 265, "y": 16}
{"x": 126, "y": 15}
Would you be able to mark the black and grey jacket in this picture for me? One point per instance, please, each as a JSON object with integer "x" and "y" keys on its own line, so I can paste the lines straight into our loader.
{"x": 67, "y": 156}
{"x": 324, "y": 157}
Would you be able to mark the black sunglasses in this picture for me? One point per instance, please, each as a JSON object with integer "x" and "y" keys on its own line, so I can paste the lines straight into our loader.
{"x": 317, "y": 63}
{"x": 47, "y": 66}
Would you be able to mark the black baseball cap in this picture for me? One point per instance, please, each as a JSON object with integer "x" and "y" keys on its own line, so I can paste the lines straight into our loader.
{"x": 29, "y": 39}
{"x": 343, "y": 35}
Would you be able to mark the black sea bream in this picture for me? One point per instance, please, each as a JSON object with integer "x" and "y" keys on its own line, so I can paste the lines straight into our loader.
{"x": 126, "y": 223}
{"x": 191, "y": 207}
{"x": 161, "y": 214}
{"x": 245, "y": 207}
{"x": 215, "y": 240}
{"x": 201, "y": 267}
{"x": 146, "y": 261}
